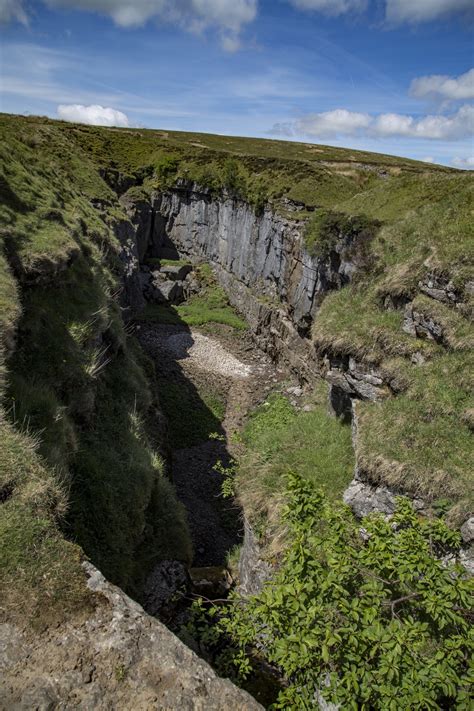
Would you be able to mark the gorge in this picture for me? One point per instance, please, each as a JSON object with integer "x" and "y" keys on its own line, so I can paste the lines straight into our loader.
{"x": 128, "y": 377}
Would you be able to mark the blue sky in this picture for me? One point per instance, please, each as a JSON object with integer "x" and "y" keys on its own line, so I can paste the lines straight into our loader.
{"x": 394, "y": 76}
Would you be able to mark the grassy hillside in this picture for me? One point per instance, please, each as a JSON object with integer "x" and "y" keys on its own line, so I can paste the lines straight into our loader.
{"x": 422, "y": 439}
{"x": 76, "y": 393}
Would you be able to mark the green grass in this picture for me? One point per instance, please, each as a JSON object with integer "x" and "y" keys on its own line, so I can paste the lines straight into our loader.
{"x": 74, "y": 386}
{"x": 352, "y": 321}
{"x": 210, "y": 305}
{"x": 41, "y": 578}
{"x": 279, "y": 439}
{"x": 159, "y": 262}
{"x": 258, "y": 170}
{"x": 421, "y": 441}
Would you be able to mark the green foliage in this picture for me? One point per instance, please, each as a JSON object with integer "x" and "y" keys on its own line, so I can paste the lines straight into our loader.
{"x": 326, "y": 227}
{"x": 165, "y": 170}
{"x": 365, "y": 615}
{"x": 233, "y": 178}
{"x": 229, "y": 474}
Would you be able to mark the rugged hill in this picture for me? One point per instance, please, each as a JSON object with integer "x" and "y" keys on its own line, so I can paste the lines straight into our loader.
{"x": 352, "y": 268}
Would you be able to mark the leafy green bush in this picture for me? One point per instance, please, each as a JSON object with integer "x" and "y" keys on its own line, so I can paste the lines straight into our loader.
{"x": 367, "y": 615}
{"x": 165, "y": 170}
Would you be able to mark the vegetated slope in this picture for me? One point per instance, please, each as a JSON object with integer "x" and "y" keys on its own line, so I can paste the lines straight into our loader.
{"x": 78, "y": 387}
{"x": 410, "y": 315}
{"x": 77, "y": 393}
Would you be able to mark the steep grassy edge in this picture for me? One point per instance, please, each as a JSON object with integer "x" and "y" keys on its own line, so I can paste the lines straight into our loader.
{"x": 77, "y": 455}
{"x": 421, "y": 440}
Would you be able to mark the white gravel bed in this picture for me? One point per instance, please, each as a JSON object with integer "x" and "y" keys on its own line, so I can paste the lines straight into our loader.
{"x": 205, "y": 353}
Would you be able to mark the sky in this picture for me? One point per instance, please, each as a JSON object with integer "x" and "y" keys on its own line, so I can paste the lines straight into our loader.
{"x": 392, "y": 76}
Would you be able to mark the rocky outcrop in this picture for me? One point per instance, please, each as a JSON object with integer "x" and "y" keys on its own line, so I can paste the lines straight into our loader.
{"x": 116, "y": 657}
{"x": 441, "y": 289}
{"x": 260, "y": 259}
{"x": 254, "y": 571}
{"x": 354, "y": 378}
{"x": 365, "y": 498}
{"x": 419, "y": 325}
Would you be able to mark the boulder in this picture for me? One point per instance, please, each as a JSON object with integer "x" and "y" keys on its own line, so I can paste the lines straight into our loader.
{"x": 114, "y": 657}
{"x": 168, "y": 579}
{"x": 176, "y": 272}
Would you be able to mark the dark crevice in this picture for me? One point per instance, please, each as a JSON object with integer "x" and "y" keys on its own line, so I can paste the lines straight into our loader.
{"x": 6, "y": 491}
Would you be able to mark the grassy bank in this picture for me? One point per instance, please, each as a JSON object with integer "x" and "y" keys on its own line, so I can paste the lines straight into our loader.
{"x": 75, "y": 393}
{"x": 278, "y": 439}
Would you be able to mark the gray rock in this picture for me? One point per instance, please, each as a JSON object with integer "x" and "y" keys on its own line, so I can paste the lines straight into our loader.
{"x": 440, "y": 288}
{"x": 170, "y": 292}
{"x": 167, "y": 578}
{"x": 115, "y": 657}
{"x": 466, "y": 558}
{"x": 467, "y": 530}
{"x": 295, "y": 390}
{"x": 247, "y": 249}
{"x": 416, "y": 324}
{"x": 253, "y": 570}
{"x": 355, "y": 379}
{"x": 176, "y": 272}
{"x": 365, "y": 498}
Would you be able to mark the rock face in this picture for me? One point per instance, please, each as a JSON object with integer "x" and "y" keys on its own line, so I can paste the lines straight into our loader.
{"x": 366, "y": 498}
{"x": 253, "y": 570}
{"x": 116, "y": 658}
{"x": 260, "y": 259}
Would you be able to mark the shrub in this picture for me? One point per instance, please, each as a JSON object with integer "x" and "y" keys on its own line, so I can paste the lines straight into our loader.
{"x": 326, "y": 227}
{"x": 368, "y": 616}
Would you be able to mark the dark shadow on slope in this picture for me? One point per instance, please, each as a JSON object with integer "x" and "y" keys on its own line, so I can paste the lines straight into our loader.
{"x": 194, "y": 407}
{"x": 79, "y": 385}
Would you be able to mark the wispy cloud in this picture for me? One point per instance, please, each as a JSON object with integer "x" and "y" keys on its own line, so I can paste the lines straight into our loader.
{"x": 342, "y": 122}
{"x": 11, "y": 10}
{"x": 417, "y": 11}
{"x": 331, "y": 7}
{"x": 445, "y": 88}
{"x": 466, "y": 163}
{"x": 226, "y": 17}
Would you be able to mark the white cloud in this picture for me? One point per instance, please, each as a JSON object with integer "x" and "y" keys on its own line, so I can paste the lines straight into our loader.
{"x": 227, "y": 16}
{"x": 467, "y": 163}
{"x": 12, "y": 10}
{"x": 428, "y": 159}
{"x": 414, "y": 11}
{"x": 342, "y": 122}
{"x": 94, "y": 115}
{"x": 439, "y": 86}
{"x": 331, "y": 123}
{"x": 331, "y": 7}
